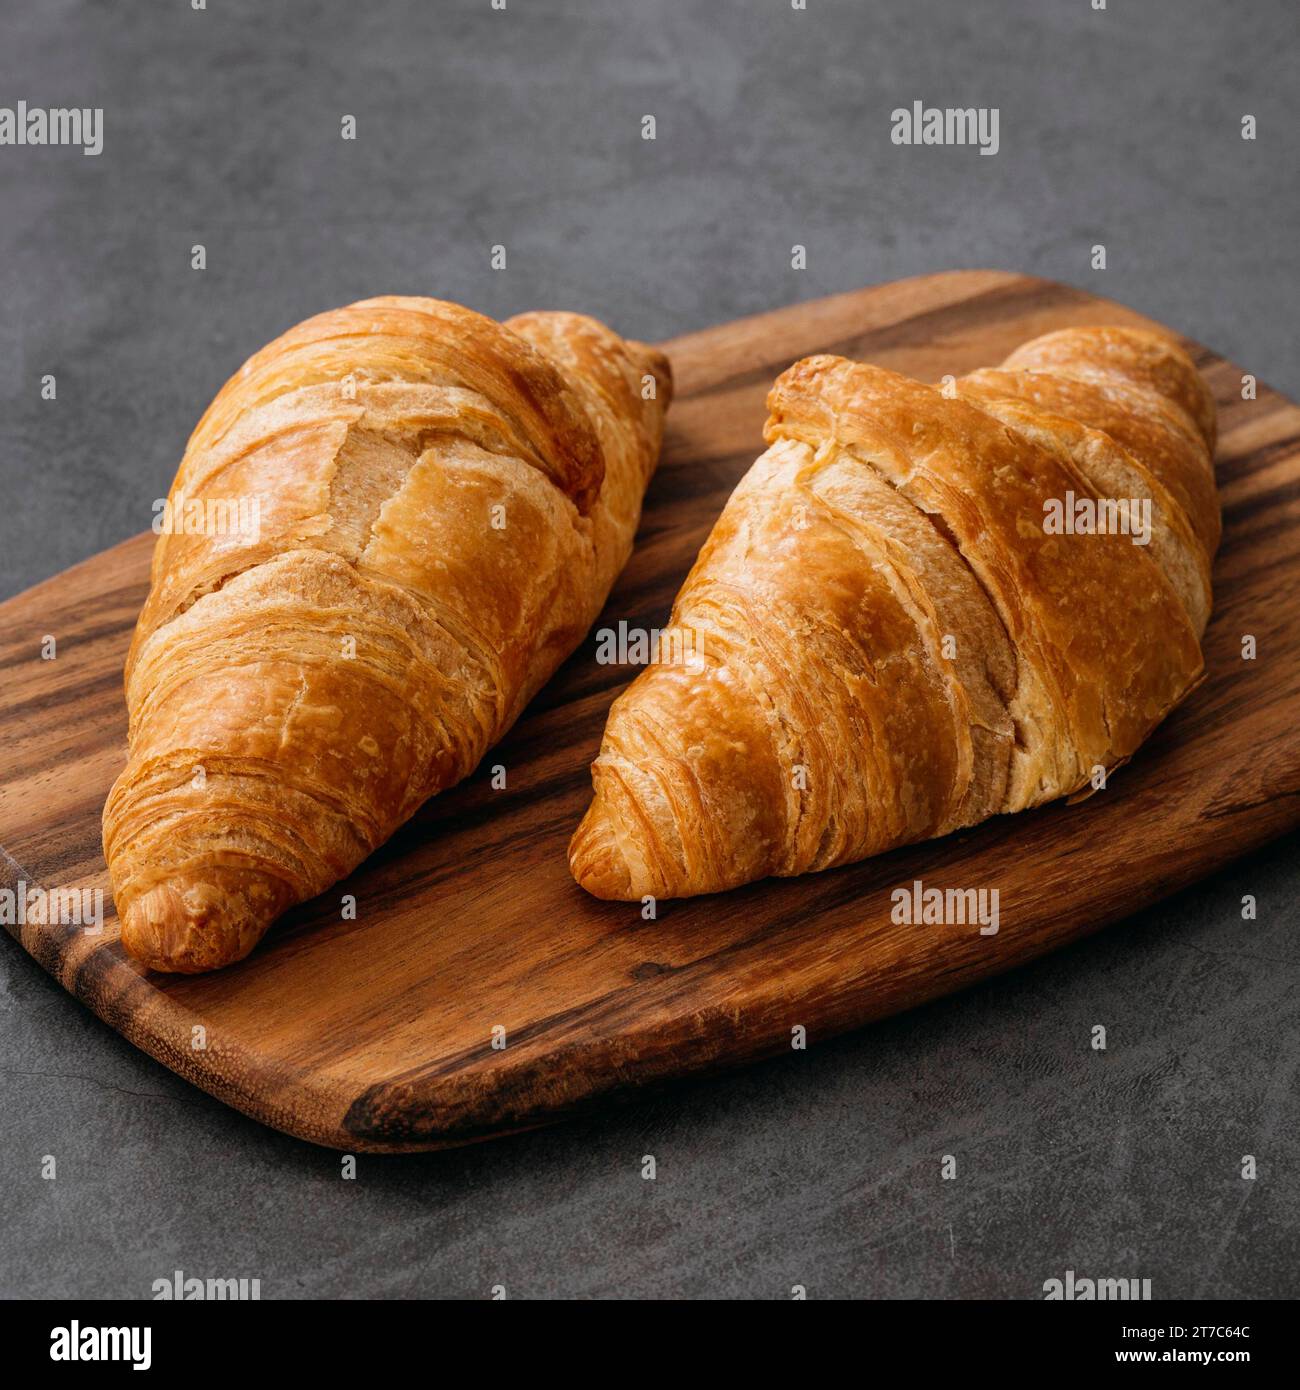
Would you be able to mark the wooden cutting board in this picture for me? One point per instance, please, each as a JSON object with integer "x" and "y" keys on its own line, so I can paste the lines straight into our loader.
{"x": 377, "y": 1033}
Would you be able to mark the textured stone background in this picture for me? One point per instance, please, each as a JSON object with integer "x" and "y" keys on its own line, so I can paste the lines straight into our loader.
{"x": 477, "y": 127}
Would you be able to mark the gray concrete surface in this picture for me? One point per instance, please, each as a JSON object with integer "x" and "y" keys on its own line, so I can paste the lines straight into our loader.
{"x": 475, "y": 127}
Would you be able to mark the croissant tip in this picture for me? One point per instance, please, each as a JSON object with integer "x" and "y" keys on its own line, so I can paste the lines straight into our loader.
{"x": 189, "y": 927}
{"x": 597, "y": 863}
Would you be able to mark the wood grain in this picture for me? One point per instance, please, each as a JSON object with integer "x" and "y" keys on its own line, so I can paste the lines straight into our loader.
{"x": 376, "y": 1034}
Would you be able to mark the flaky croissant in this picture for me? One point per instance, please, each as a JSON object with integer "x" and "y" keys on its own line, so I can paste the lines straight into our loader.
{"x": 442, "y": 504}
{"x": 918, "y": 609}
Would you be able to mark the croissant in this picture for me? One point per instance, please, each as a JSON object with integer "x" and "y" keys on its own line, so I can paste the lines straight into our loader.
{"x": 442, "y": 503}
{"x": 908, "y": 617}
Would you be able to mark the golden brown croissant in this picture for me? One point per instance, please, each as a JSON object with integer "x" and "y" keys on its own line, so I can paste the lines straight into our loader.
{"x": 442, "y": 505}
{"x": 919, "y": 608}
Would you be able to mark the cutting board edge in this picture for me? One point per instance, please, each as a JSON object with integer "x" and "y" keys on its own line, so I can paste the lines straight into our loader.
{"x": 1269, "y": 821}
{"x": 1000, "y": 280}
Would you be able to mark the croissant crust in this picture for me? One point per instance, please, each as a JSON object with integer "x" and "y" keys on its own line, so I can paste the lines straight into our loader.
{"x": 886, "y": 638}
{"x": 442, "y": 505}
